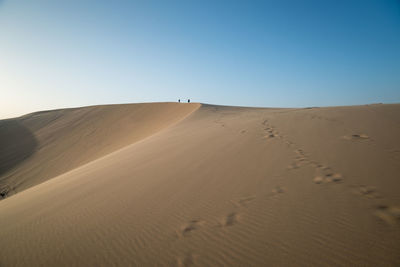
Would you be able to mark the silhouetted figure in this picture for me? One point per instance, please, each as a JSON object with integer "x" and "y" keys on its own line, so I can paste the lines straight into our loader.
{"x": 188, "y": 100}
{"x": 179, "y": 100}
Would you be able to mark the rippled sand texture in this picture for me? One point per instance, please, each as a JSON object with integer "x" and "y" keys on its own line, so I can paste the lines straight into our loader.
{"x": 168, "y": 184}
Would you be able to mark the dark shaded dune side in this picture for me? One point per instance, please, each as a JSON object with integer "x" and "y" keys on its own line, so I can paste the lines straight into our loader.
{"x": 17, "y": 143}
{"x": 41, "y": 145}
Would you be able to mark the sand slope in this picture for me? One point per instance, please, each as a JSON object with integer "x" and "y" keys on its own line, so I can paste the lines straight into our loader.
{"x": 42, "y": 145}
{"x": 225, "y": 186}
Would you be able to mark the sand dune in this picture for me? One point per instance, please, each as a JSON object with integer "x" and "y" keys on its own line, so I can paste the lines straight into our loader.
{"x": 181, "y": 185}
{"x": 45, "y": 144}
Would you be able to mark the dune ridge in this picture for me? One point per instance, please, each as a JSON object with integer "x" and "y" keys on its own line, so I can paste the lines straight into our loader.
{"x": 226, "y": 186}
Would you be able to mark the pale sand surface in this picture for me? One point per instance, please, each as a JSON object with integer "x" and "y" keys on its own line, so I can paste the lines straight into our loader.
{"x": 206, "y": 186}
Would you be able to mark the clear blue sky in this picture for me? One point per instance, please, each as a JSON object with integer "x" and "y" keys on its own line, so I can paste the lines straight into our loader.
{"x": 296, "y": 53}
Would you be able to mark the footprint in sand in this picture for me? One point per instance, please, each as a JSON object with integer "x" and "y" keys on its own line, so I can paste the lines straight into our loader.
{"x": 300, "y": 152}
{"x": 269, "y": 136}
{"x": 368, "y": 191}
{"x": 356, "y": 137}
{"x": 316, "y": 164}
{"x": 326, "y": 174}
{"x": 187, "y": 260}
{"x": 278, "y": 190}
{"x": 335, "y": 177}
{"x": 269, "y": 130}
{"x": 318, "y": 179}
{"x": 243, "y": 202}
{"x": 298, "y": 162}
{"x": 271, "y": 133}
{"x": 230, "y": 220}
{"x": 293, "y": 166}
{"x": 190, "y": 227}
{"x": 388, "y": 214}
{"x": 289, "y": 143}
{"x": 328, "y": 178}
{"x": 300, "y": 159}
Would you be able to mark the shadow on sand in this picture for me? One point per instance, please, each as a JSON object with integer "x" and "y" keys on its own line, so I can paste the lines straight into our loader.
{"x": 17, "y": 143}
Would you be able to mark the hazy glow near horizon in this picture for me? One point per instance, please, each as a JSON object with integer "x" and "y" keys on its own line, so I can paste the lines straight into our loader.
{"x": 56, "y": 54}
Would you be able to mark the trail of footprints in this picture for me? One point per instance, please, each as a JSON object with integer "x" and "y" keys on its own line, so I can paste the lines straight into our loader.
{"x": 325, "y": 175}
{"x": 270, "y": 130}
{"x": 229, "y": 220}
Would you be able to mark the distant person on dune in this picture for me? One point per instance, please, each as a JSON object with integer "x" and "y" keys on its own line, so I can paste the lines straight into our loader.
{"x": 179, "y": 100}
{"x": 188, "y": 100}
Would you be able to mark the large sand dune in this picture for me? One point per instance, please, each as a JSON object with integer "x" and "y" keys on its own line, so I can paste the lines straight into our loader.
{"x": 45, "y": 144}
{"x": 184, "y": 184}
